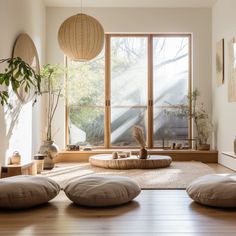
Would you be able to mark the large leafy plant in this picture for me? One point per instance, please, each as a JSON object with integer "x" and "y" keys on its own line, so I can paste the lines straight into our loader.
{"x": 16, "y": 74}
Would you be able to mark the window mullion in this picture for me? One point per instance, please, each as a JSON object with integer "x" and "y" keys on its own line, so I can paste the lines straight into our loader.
{"x": 107, "y": 120}
{"x": 150, "y": 93}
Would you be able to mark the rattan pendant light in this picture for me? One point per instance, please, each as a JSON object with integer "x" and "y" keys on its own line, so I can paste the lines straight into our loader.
{"x": 81, "y": 37}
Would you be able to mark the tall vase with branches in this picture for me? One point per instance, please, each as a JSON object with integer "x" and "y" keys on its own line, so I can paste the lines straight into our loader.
{"x": 139, "y": 138}
{"x": 200, "y": 117}
{"x": 53, "y": 91}
{"x": 52, "y": 85}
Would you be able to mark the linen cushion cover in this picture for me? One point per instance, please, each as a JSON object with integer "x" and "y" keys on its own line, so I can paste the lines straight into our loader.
{"x": 218, "y": 190}
{"x": 100, "y": 191}
{"x": 26, "y": 191}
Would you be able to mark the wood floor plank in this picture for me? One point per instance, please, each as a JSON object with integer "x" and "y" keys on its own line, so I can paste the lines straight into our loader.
{"x": 162, "y": 212}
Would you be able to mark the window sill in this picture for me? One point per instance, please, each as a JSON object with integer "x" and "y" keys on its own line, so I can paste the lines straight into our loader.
{"x": 150, "y": 151}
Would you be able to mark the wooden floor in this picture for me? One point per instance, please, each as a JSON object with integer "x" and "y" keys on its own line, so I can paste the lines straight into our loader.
{"x": 154, "y": 212}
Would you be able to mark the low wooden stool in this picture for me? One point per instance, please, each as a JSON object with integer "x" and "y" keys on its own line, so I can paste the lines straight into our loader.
{"x": 23, "y": 169}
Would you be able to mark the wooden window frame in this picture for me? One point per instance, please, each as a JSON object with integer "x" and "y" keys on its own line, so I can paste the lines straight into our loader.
{"x": 107, "y": 109}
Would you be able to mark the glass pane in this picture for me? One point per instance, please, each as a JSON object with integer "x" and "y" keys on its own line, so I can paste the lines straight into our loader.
{"x": 128, "y": 71}
{"x": 86, "y": 92}
{"x": 170, "y": 70}
{"x": 170, "y": 86}
{"x": 85, "y": 83}
{"x": 169, "y": 128}
{"x": 122, "y": 121}
{"x": 128, "y": 88}
{"x": 86, "y": 125}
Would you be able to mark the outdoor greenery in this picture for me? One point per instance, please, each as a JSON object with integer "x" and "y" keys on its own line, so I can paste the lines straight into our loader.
{"x": 17, "y": 73}
{"x": 86, "y": 93}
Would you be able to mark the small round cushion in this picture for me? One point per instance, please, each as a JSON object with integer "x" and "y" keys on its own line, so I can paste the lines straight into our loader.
{"x": 99, "y": 191}
{"x": 26, "y": 191}
{"x": 218, "y": 190}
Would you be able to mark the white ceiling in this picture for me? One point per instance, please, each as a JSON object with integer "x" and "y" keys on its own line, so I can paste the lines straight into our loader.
{"x": 132, "y": 3}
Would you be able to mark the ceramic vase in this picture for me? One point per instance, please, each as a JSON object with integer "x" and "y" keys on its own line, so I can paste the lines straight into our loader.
{"x": 50, "y": 150}
{"x": 143, "y": 154}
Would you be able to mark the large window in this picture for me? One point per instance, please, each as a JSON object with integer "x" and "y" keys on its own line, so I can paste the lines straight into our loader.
{"x": 136, "y": 80}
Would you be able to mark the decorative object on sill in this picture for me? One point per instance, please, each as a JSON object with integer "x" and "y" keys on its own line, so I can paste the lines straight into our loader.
{"x": 173, "y": 146}
{"x": 204, "y": 147}
{"x": 15, "y": 159}
{"x": 81, "y": 37}
{"x": 18, "y": 75}
{"x": 87, "y": 149}
{"x": 50, "y": 150}
{"x": 115, "y": 155}
{"x": 25, "y": 49}
{"x": 235, "y": 145}
{"x": 71, "y": 147}
{"x": 139, "y": 138}
{"x": 39, "y": 159}
{"x": 203, "y": 124}
{"x": 178, "y": 146}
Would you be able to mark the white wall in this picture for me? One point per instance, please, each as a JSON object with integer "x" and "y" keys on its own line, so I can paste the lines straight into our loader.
{"x": 196, "y": 21}
{"x": 17, "y": 16}
{"x": 224, "y": 113}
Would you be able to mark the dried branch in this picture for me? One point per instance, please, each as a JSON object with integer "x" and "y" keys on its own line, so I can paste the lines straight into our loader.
{"x": 139, "y": 136}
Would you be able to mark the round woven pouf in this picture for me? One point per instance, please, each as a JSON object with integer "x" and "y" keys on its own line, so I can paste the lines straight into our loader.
{"x": 106, "y": 161}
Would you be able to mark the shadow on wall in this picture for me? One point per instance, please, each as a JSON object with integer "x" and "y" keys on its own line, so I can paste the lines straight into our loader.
{"x": 9, "y": 115}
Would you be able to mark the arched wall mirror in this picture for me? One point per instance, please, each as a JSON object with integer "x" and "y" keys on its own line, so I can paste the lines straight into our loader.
{"x": 25, "y": 49}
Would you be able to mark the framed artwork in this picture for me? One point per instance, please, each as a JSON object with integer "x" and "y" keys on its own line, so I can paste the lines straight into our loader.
{"x": 232, "y": 70}
{"x": 220, "y": 62}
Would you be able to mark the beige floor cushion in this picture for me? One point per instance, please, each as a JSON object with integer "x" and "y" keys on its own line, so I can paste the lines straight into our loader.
{"x": 98, "y": 191}
{"x": 26, "y": 191}
{"x": 217, "y": 190}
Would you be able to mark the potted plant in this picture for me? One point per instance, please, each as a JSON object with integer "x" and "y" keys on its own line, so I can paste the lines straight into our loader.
{"x": 18, "y": 74}
{"x": 198, "y": 114}
{"x": 51, "y": 86}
